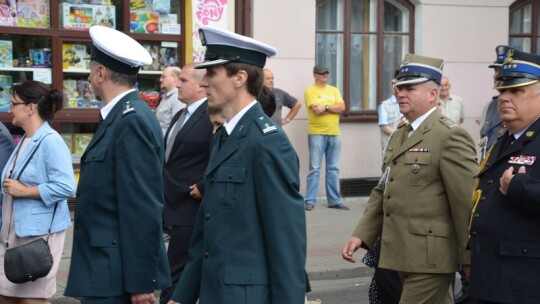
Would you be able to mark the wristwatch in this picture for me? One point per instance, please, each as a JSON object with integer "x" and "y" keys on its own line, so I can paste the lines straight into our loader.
{"x": 326, "y": 108}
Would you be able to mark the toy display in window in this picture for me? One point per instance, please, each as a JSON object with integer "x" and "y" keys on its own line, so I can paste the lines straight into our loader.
{"x": 8, "y": 12}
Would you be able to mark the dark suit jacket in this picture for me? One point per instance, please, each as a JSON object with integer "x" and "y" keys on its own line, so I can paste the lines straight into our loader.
{"x": 186, "y": 164}
{"x": 505, "y": 238}
{"x": 249, "y": 241}
{"x": 6, "y": 145}
{"x": 117, "y": 240}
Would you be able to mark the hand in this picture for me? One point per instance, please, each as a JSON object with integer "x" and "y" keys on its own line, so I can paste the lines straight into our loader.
{"x": 195, "y": 193}
{"x": 350, "y": 247}
{"x": 173, "y": 302}
{"x": 467, "y": 272}
{"x": 143, "y": 298}
{"x": 318, "y": 108}
{"x": 506, "y": 178}
{"x": 14, "y": 187}
{"x": 284, "y": 121}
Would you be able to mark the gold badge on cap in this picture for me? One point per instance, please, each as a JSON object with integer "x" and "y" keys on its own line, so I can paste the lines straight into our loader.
{"x": 529, "y": 133}
{"x": 509, "y": 56}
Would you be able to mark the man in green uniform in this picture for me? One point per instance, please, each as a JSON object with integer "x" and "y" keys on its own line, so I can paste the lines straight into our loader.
{"x": 421, "y": 206}
{"x": 249, "y": 241}
{"x": 118, "y": 252}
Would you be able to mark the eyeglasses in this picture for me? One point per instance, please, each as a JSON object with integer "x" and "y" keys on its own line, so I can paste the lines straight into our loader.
{"x": 12, "y": 104}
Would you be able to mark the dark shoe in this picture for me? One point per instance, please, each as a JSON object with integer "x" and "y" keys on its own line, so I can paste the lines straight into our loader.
{"x": 309, "y": 207}
{"x": 339, "y": 207}
{"x": 462, "y": 296}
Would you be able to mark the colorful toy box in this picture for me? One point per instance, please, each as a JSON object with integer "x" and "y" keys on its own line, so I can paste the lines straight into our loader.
{"x": 77, "y": 16}
{"x": 33, "y": 13}
{"x": 105, "y": 15}
{"x": 41, "y": 58}
{"x": 74, "y": 56}
{"x": 5, "y": 83}
{"x": 8, "y": 13}
{"x": 144, "y": 22}
{"x": 83, "y": 16}
{"x": 6, "y": 54}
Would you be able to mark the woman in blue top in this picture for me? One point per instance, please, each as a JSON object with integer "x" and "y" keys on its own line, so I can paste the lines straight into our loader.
{"x": 30, "y": 192}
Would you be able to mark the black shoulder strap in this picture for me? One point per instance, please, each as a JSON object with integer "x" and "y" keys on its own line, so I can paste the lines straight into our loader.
{"x": 31, "y": 155}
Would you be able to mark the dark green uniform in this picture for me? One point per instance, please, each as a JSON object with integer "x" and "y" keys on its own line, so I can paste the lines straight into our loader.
{"x": 249, "y": 241}
{"x": 118, "y": 247}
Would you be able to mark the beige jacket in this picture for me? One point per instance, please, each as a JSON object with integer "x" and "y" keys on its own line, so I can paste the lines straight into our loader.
{"x": 422, "y": 206}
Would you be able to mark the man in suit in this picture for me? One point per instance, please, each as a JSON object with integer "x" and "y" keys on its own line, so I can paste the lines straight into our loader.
{"x": 249, "y": 240}
{"x": 187, "y": 149}
{"x": 421, "y": 206}
{"x": 118, "y": 251}
{"x": 6, "y": 144}
{"x": 504, "y": 242}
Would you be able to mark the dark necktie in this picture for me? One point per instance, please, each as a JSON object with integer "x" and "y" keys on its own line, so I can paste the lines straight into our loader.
{"x": 508, "y": 142}
{"x": 408, "y": 128}
{"x": 223, "y": 138}
{"x": 176, "y": 128}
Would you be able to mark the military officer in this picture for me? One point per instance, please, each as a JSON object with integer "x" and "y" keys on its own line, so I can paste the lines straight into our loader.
{"x": 421, "y": 206}
{"x": 249, "y": 240}
{"x": 504, "y": 238}
{"x": 118, "y": 251}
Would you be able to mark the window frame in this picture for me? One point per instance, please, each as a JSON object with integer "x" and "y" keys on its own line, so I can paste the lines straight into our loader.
{"x": 535, "y": 16}
{"x": 367, "y": 115}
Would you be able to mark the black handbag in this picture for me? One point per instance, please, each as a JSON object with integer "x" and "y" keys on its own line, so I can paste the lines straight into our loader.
{"x": 32, "y": 260}
{"x": 28, "y": 262}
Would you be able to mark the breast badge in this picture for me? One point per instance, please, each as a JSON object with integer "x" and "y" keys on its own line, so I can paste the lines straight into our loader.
{"x": 522, "y": 160}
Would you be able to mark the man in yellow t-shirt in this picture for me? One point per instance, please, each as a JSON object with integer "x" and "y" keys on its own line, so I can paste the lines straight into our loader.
{"x": 324, "y": 104}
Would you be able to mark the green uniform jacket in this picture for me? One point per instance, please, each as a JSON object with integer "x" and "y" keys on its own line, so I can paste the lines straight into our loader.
{"x": 422, "y": 210}
{"x": 249, "y": 241}
{"x": 117, "y": 240}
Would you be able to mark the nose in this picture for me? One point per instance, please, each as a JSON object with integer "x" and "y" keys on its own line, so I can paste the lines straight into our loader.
{"x": 204, "y": 82}
{"x": 503, "y": 96}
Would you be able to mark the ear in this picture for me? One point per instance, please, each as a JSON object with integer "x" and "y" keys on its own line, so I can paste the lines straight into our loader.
{"x": 101, "y": 73}
{"x": 434, "y": 94}
{"x": 240, "y": 78}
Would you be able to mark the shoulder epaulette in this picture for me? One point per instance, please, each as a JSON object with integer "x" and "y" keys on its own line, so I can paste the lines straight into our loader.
{"x": 128, "y": 108}
{"x": 449, "y": 123}
{"x": 267, "y": 125}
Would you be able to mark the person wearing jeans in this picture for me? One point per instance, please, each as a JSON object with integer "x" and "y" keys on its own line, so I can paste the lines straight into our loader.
{"x": 324, "y": 104}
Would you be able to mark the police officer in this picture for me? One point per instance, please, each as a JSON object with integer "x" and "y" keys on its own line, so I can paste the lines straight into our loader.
{"x": 492, "y": 126}
{"x": 249, "y": 240}
{"x": 118, "y": 251}
{"x": 504, "y": 242}
{"x": 421, "y": 206}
